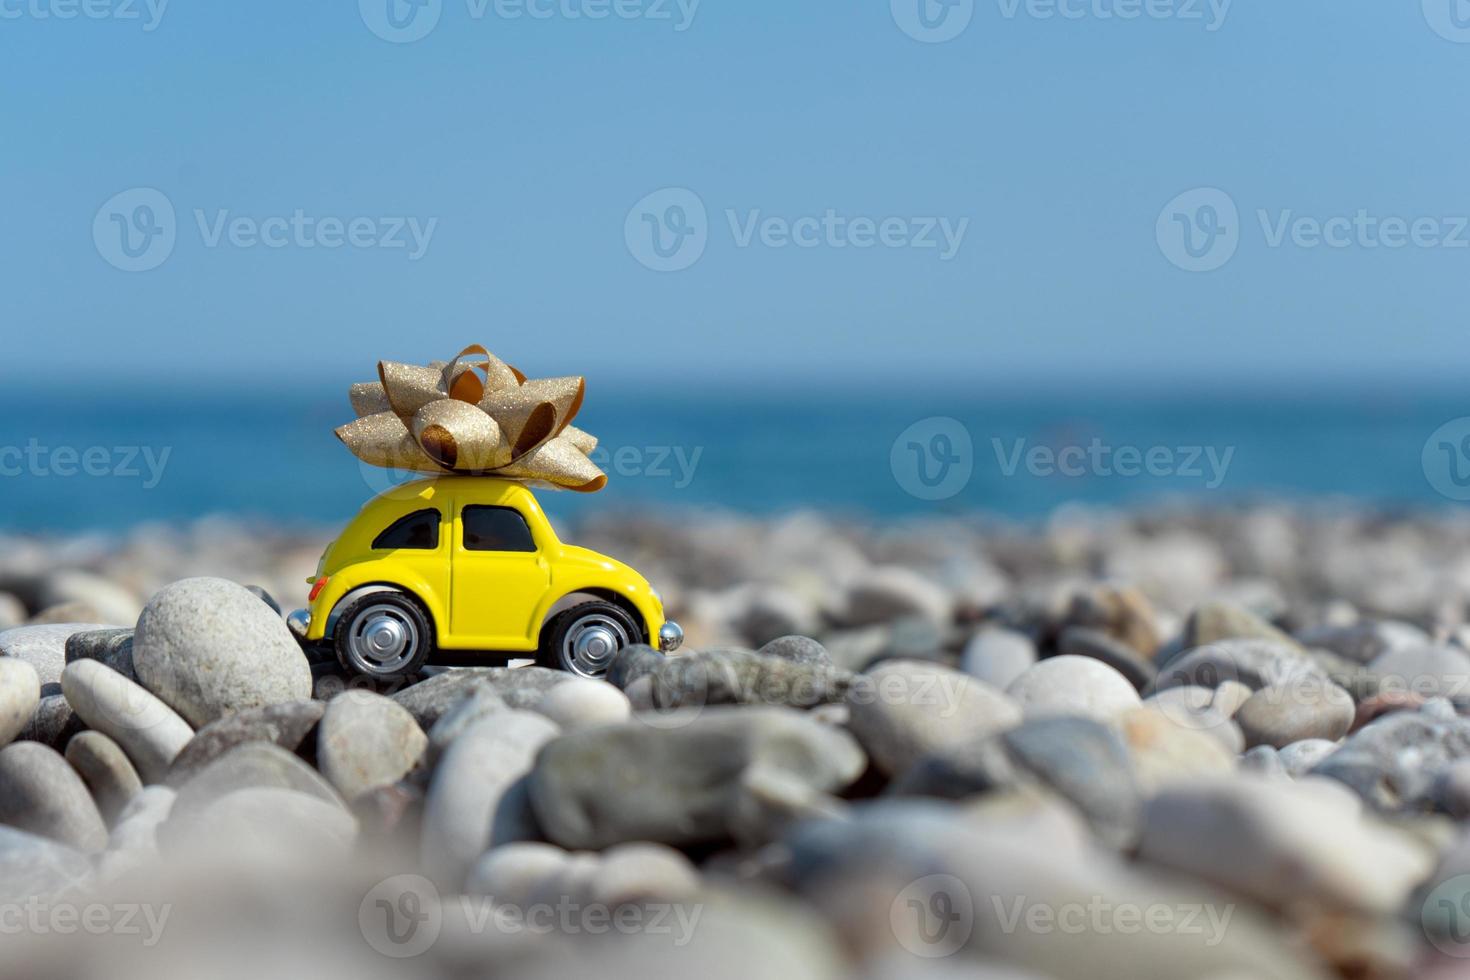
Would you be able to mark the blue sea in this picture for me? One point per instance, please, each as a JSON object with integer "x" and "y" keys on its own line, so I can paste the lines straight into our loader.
{"x": 73, "y": 461}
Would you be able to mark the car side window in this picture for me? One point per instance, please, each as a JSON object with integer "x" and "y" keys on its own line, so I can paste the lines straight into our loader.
{"x": 496, "y": 529}
{"x": 418, "y": 531}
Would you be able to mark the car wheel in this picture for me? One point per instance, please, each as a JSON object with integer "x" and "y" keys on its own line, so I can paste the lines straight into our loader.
{"x": 584, "y": 639}
{"x": 384, "y": 635}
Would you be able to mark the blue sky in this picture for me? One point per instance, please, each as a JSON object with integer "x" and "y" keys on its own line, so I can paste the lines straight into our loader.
{"x": 521, "y": 148}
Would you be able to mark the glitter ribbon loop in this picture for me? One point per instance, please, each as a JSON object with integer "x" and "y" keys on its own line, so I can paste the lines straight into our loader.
{"x": 474, "y": 415}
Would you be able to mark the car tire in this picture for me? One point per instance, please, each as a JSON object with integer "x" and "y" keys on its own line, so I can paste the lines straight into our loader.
{"x": 584, "y": 639}
{"x": 384, "y": 635}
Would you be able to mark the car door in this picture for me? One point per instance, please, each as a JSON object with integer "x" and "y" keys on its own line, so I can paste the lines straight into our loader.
{"x": 500, "y": 577}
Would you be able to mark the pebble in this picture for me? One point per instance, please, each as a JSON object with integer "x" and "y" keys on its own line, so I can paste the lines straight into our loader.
{"x": 12, "y": 612}
{"x": 797, "y": 649}
{"x": 254, "y": 765}
{"x": 725, "y": 676}
{"x": 1077, "y": 641}
{"x": 1264, "y": 760}
{"x": 112, "y": 648}
{"x": 54, "y": 722}
{"x": 1281, "y": 844}
{"x": 365, "y": 741}
{"x": 106, "y": 770}
{"x": 904, "y": 710}
{"x": 20, "y": 692}
{"x": 208, "y": 647}
{"x": 44, "y": 648}
{"x": 36, "y": 868}
{"x": 149, "y": 731}
{"x": 581, "y": 702}
{"x": 134, "y": 841}
{"x": 518, "y": 687}
{"x": 998, "y": 656}
{"x": 1300, "y": 758}
{"x": 290, "y": 726}
{"x": 1451, "y": 790}
{"x": 765, "y": 614}
{"x": 1121, "y": 612}
{"x": 1164, "y": 751}
{"x": 1217, "y": 621}
{"x": 41, "y": 794}
{"x": 1392, "y": 763}
{"x": 1428, "y": 671}
{"x": 642, "y": 872}
{"x": 480, "y": 703}
{"x": 514, "y": 872}
{"x": 1365, "y": 641}
{"x": 1073, "y": 686}
{"x": 1280, "y": 715}
{"x": 261, "y": 828}
{"x": 1255, "y": 663}
{"x": 883, "y": 593}
{"x": 709, "y": 777}
{"x": 470, "y": 795}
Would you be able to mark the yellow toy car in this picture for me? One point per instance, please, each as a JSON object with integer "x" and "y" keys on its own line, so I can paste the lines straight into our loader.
{"x": 458, "y": 569}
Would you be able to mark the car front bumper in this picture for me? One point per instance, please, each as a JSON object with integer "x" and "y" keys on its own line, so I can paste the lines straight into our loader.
{"x": 670, "y": 636}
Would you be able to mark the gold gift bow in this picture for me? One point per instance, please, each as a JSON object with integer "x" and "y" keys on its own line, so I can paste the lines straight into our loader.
{"x": 475, "y": 415}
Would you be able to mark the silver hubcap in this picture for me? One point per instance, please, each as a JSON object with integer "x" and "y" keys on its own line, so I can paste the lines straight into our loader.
{"x": 383, "y": 639}
{"x": 591, "y": 643}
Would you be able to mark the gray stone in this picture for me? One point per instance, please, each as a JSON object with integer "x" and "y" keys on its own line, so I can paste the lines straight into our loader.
{"x": 106, "y": 770}
{"x": 258, "y": 765}
{"x": 1254, "y": 663}
{"x": 112, "y": 648}
{"x": 706, "y": 778}
{"x": 518, "y": 687}
{"x": 34, "y": 867}
{"x": 1165, "y": 751}
{"x": 642, "y": 872}
{"x": 482, "y": 702}
{"x": 1429, "y": 671}
{"x": 261, "y": 828}
{"x": 888, "y": 592}
{"x": 134, "y": 841}
{"x": 290, "y": 726}
{"x": 514, "y": 873}
{"x": 150, "y": 732}
{"x": 998, "y": 656}
{"x": 904, "y": 710}
{"x": 20, "y": 693}
{"x": 1392, "y": 762}
{"x": 1217, "y": 621}
{"x": 1451, "y": 790}
{"x": 44, "y": 648}
{"x": 365, "y": 741}
{"x": 1073, "y": 686}
{"x": 581, "y": 702}
{"x": 1281, "y": 844}
{"x": 1263, "y": 760}
{"x": 1280, "y": 715}
{"x": 1299, "y": 758}
{"x": 41, "y": 794}
{"x": 724, "y": 676}
{"x": 208, "y": 647}
{"x": 54, "y": 722}
{"x": 470, "y": 792}
{"x": 1079, "y": 642}
{"x": 1079, "y": 758}
{"x": 1365, "y": 641}
{"x": 797, "y": 649}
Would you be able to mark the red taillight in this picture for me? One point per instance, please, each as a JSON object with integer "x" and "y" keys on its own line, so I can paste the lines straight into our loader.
{"x": 316, "y": 589}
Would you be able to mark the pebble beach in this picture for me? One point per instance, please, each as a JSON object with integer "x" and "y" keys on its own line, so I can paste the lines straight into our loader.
{"x": 1214, "y": 743}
